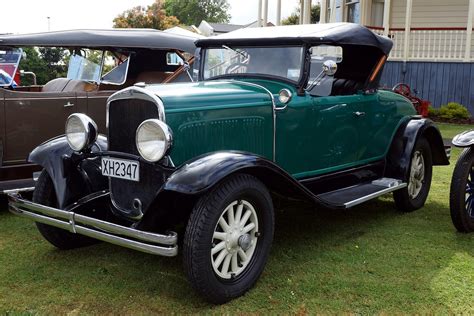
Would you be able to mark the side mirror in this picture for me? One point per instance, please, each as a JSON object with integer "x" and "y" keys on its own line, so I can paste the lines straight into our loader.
{"x": 329, "y": 67}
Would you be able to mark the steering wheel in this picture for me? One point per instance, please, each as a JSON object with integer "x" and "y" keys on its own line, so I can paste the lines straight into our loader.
{"x": 403, "y": 89}
{"x": 234, "y": 66}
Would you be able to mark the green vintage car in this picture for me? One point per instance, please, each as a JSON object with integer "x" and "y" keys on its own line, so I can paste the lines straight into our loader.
{"x": 274, "y": 113}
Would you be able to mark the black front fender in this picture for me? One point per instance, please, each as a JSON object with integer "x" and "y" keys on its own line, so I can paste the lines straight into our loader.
{"x": 54, "y": 156}
{"x": 464, "y": 139}
{"x": 404, "y": 141}
{"x": 201, "y": 174}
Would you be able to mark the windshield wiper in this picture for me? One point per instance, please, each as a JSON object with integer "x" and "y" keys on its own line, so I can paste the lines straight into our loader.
{"x": 235, "y": 50}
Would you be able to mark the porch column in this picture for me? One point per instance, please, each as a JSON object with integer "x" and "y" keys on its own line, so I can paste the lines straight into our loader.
{"x": 302, "y": 11}
{"x": 265, "y": 12}
{"x": 406, "y": 48}
{"x": 259, "y": 10}
{"x": 307, "y": 12}
{"x": 470, "y": 16}
{"x": 324, "y": 11}
{"x": 278, "y": 15}
{"x": 386, "y": 17}
{"x": 332, "y": 18}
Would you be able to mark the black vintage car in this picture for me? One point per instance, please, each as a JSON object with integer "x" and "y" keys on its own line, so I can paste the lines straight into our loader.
{"x": 285, "y": 112}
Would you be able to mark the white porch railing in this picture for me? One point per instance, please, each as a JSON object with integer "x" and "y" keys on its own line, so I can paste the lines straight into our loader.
{"x": 429, "y": 44}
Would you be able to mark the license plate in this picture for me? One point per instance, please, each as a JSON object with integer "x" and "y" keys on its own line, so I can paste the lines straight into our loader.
{"x": 121, "y": 168}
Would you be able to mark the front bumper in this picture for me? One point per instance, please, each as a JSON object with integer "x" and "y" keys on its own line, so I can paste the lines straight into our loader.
{"x": 152, "y": 243}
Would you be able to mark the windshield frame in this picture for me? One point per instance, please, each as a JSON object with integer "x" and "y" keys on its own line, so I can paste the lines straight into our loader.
{"x": 296, "y": 83}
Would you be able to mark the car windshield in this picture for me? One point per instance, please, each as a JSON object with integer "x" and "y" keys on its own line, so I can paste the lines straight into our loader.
{"x": 98, "y": 66}
{"x": 9, "y": 60}
{"x": 283, "y": 62}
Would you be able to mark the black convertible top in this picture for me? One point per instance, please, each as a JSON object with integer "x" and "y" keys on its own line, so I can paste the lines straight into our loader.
{"x": 330, "y": 33}
{"x": 113, "y": 38}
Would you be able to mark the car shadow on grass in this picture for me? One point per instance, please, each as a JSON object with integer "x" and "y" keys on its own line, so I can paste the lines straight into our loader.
{"x": 317, "y": 256}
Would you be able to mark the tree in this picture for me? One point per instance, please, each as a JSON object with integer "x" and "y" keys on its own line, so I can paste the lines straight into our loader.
{"x": 192, "y": 12}
{"x": 294, "y": 18}
{"x": 154, "y": 16}
{"x": 46, "y": 63}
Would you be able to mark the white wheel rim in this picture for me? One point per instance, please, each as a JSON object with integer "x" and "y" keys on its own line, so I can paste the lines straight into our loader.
{"x": 417, "y": 175}
{"x": 234, "y": 240}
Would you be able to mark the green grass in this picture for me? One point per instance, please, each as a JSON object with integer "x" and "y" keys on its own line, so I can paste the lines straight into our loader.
{"x": 371, "y": 259}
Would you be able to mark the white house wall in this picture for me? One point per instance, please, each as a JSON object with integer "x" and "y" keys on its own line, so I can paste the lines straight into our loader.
{"x": 431, "y": 13}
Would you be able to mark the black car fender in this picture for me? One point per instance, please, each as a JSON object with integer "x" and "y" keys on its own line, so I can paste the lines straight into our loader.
{"x": 403, "y": 143}
{"x": 56, "y": 157}
{"x": 203, "y": 173}
{"x": 464, "y": 139}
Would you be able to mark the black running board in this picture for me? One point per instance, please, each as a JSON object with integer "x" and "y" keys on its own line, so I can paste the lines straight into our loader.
{"x": 355, "y": 195}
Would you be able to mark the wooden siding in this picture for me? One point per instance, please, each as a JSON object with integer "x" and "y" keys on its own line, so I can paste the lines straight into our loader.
{"x": 431, "y": 13}
{"x": 438, "y": 82}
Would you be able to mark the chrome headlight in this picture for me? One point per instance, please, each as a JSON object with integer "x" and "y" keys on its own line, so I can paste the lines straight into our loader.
{"x": 81, "y": 131}
{"x": 153, "y": 139}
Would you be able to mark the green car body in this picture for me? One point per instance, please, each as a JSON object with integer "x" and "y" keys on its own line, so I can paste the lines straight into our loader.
{"x": 236, "y": 116}
{"x": 295, "y": 116}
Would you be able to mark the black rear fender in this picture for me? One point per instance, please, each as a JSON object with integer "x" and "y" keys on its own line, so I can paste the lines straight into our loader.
{"x": 399, "y": 156}
{"x": 70, "y": 179}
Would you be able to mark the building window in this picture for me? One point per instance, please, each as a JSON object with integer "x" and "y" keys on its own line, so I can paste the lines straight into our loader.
{"x": 352, "y": 9}
{"x": 377, "y": 12}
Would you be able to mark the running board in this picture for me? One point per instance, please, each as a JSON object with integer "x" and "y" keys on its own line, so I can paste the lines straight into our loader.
{"x": 355, "y": 195}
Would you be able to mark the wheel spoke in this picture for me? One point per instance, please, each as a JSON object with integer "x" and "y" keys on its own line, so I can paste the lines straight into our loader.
{"x": 230, "y": 215}
{"x": 226, "y": 264}
{"x": 242, "y": 255}
{"x": 246, "y": 217}
{"x": 468, "y": 189}
{"x": 219, "y": 235}
{"x": 235, "y": 265}
{"x": 238, "y": 213}
{"x": 223, "y": 224}
{"x": 248, "y": 228}
{"x": 218, "y": 248}
{"x": 220, "y": 258}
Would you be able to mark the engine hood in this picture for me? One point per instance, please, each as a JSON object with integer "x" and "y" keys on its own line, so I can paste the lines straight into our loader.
{"x": 187, "y": 96}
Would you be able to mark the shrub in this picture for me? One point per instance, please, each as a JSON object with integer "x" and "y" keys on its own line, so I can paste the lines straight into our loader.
{"x": 450, "y": 111}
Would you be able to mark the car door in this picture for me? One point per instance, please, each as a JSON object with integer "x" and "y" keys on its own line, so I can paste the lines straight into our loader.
{"x": 315, "y": 135}
{"x": 97, "y": 107}
{"x": 34, "y": 117}
{"x": 381, "y": 120}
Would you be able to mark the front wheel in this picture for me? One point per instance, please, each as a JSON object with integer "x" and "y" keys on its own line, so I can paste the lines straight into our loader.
{"x": 45, "y": 194}
{"x": 228, "y": 238}
{"x": 462, "y": 192}
{"x": 415, "y": 194}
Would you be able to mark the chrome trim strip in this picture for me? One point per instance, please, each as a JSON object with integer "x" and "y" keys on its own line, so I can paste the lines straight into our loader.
{"x": 274, "y": 109}
{"x": 374, "y": 195}
{"x": 25, "y": 189}
{"x": 137, "y": 93}
{"x": 152, "y": 243}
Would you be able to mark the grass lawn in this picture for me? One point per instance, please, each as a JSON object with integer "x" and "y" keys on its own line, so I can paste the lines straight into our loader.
{"x": 371, "y": 259}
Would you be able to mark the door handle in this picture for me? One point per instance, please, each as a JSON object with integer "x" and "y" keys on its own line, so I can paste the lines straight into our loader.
{"x": 68, "y": 104}
{"x": 359, "y": 114}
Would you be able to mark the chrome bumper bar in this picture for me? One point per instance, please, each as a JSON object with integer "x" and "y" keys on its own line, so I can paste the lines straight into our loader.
{"x": 152, "y": 243}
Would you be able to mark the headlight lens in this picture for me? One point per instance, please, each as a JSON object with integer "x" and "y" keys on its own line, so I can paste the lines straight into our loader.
{"x": 153, "y": 139}
{"x": 81, "y": 131}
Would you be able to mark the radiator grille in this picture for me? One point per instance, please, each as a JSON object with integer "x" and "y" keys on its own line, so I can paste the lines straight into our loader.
{"x": 124, "y": 118}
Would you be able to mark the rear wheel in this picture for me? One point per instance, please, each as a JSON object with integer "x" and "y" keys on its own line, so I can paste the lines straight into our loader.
{"x": 415, "y": 194}
{"x": 228, "y": 238}
{"x": 45, "y": 194}
{"x": 461, "y": 195}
